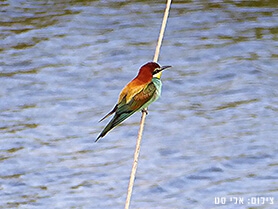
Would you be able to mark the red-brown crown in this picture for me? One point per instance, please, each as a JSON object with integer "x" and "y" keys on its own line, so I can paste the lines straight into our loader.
{"x": 146, "y": 71}
{"x": 150, "y": 67}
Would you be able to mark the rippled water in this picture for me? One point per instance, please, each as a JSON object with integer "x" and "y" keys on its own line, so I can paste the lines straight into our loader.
{"x": 212, "y": 134}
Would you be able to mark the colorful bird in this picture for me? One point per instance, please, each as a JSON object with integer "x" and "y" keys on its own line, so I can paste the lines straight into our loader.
{"x": 138, "y": 94}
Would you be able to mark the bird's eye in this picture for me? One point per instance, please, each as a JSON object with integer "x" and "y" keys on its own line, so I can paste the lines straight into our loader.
{"x": 156, "y": 70}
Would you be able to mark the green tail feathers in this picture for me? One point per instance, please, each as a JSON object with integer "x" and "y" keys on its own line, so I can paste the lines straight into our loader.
{"x": 116, "y": 120}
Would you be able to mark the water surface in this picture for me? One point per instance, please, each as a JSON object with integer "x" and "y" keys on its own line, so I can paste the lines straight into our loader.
{"x": 212, "y": 134}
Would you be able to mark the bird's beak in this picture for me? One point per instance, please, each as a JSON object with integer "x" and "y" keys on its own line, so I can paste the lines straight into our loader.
{"x": 158, "y": 70}
{"x": 165, "y": 67}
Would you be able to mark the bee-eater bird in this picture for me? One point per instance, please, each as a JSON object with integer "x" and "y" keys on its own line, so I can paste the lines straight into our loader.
{"x": 138, "y": 94}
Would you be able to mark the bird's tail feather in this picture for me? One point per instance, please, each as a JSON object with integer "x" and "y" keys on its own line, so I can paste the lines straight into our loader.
{"x": 116, "y": 120}
{"x": 110, "y": 113}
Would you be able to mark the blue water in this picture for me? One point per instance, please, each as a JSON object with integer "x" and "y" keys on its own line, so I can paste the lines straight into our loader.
{"x": 212, "y": 134}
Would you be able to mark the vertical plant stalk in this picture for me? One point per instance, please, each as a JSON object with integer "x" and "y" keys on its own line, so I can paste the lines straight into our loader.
{"x": 144, "y": 112}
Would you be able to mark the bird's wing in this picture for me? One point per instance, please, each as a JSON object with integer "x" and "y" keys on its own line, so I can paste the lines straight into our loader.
{"x": 131, "y": 89}
{"x": 138, "y": 100}
{"x": 125, "y": 109}
{"x": 126, "y": 96}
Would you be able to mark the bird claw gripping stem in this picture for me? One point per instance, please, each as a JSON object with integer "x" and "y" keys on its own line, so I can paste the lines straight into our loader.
{"x": 145, "y": 110}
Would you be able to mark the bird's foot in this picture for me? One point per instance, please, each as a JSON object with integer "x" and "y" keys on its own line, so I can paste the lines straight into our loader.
{"x": 145, "y": 110}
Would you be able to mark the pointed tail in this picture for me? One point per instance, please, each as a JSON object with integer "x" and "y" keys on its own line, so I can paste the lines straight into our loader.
{"x": 116, "y": 120}
{"x": 110, "y": 113}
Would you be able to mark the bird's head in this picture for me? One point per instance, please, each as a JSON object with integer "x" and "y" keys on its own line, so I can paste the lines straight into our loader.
{"x": 152, "y": 68}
